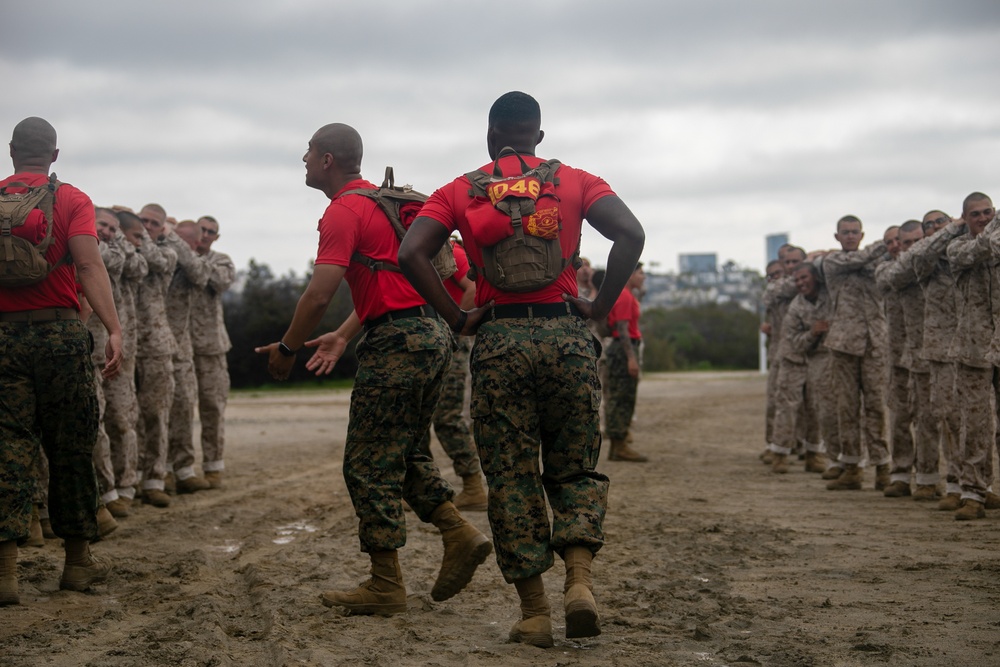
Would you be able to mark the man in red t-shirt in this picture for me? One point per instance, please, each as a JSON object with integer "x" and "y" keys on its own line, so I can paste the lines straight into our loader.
{"x": 401, "y": 360}
{"x": 46, "y": 377}
{"x": 534, "y": 371}
{"x": 623, "y": 368}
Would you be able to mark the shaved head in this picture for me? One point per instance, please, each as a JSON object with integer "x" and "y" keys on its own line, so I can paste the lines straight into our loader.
{"x": 33, "y": 138}
{"x": 342, "y": 142}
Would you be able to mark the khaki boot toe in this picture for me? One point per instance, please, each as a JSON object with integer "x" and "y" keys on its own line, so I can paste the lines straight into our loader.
{"x": 970, "y": 510}
{"x": 534, "y": 631}
{"x": 465, "y": 549}
{"x": 81, "y": 577}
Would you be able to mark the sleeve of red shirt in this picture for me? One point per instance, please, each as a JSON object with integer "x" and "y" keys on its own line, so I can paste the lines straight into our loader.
{"x": 622, "y": 310}
{"x": 338, "y": 235}
{"x": 440, "y": 207}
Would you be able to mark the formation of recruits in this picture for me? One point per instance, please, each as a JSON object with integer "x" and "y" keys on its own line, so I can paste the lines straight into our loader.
{"x": 900, "y": 337}
{"x": 167, "y": 283}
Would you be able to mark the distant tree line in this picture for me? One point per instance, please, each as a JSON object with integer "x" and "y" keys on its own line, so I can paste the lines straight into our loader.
{"x": 688, "y": 338}
{"x": 260, "y": 314}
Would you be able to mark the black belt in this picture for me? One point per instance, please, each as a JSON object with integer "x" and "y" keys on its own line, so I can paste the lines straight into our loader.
{"x": 533, "y": 310}
{"x": 416, "y": 311}
{"x": 41, "y": 315}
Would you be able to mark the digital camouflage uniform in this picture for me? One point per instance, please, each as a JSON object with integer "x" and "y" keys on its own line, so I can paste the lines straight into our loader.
{"x": 121, "y": 406}
{"x": 777, "y": 297}
{"x": 930, "y": 264}
{"x": 386, "y": 455}
{"x": 46, "y": 374}
{"x": 803, "y": 378}
{"x": 190, "y": 276}
{"x": 917, "y": 448}
{"x": 976, "y": 280}
{"x": 899, "y": 400}
{"x": 534, "y": 381}
{"x": 857, "y": 340}
{"x": 449, "y": 421}
{"x": 210, "y": 343}
{"x": 113, "y": 256}
{"x": 622, "y": 389}
{"x": 154, "y": 362}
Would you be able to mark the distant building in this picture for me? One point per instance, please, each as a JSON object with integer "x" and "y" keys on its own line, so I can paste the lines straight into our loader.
{"x": 774, "y": 241}
{"x": 705, "y": 263}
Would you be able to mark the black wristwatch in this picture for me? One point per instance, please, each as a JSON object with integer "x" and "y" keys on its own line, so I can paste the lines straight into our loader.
{"x": 285, "y": 350}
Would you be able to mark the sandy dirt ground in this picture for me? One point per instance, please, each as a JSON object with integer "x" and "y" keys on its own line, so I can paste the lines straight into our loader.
{"x": 710, "y": 560}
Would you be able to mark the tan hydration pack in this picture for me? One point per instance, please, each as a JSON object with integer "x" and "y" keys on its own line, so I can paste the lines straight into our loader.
{"x": 23, "y": 262}
{"x": 515, "y": 221}
{"x": 401, "y": 205}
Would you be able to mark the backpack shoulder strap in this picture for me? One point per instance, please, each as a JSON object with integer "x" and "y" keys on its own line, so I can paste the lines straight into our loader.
{"x": 478, "y": 180}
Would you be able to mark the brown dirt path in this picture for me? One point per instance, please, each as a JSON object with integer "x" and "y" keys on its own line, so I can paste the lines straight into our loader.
{"x": 710, "y": 560}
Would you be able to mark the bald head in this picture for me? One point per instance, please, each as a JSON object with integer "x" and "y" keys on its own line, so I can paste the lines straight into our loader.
{"x": 342, "y": 142}
{"x": 33, "y": 144}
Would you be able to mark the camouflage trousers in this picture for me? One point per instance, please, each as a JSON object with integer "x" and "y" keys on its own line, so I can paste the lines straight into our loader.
{"x": 386, "y": 455}
{"x": 976, "y": 391}
{"x": 948, "y": 416}
{"x": 853, "y": 378}
{"x": 121, "y": 415}
{"x": 795, "y": 410}
{"x": 47, "y": 402}
{"x": 102, "y": 447}
{"x": 180, "y": 430}
{"x": 154, "y": 383}
{"x": 915, "y": 432}
{"x": 622, "y": 389}
{"x": 772, "y": 393}
{"x": 819, "y": 386}
{"x": 450, "y": 425}
{"x": 535, "y": 388}
{"x": 212, "y": 371}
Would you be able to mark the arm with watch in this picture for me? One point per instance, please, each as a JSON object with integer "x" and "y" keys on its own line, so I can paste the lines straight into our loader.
{"x": 309, "y": 311}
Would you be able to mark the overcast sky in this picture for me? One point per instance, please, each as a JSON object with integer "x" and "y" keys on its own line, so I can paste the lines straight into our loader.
{"x": 717, "y": 121}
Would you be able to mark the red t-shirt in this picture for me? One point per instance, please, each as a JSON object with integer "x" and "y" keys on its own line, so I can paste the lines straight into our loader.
{"x": 462, "y": 262}
{"x": 73, "y": 215}
{"x": 577, "y": 191}
{"x": 355, "y": 223}
{"x": 625, "y": 308}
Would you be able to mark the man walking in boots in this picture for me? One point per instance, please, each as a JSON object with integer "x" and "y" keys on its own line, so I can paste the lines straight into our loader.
{"x": 46, "y": 377}
{"x": 401, "y": 361}
{"x": 535, "y": 388}
{"x": 623, "y": 369}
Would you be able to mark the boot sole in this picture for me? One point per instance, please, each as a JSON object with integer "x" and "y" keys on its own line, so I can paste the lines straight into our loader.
{"x": 582, "y": 620}
{"x": 82, "y": 585}
{"x": 539, "y": 639}
{"x": 450, "y": 585}
{"x": 387, "y": 609}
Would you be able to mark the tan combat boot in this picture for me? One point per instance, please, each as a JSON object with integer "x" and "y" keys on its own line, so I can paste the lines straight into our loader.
{"x": 465, "y": 548}
{"x": 106, "y": 523}
{"x": 535, "y": 626}
{"x": 897, "y": 490}
{"x": 214, "y": 478}
{"x": 119, "y": 507}
{"x": 926, "y": 492}
{"x": 384, "y": 594}
{"x": 779, "y": 463}
{"x": 881, "y": 476}
{"x": 621, "y": 451}
{"x": 582, "y": 619}
{"x": 849, "y": 480}
{"x": 192, "y": 485}
{"x": 8, "y": 573}
{"x": 816, "y": 462}
{"x": 36, "y": 537}
{"x": 992, "y": 501}
{"x": 833, "y": 472}
{"x": 970, "y": 509}
{"x": 473, "y": 496}
{"x": 951, "y": 502}
{"x": 156, "y": 498}
{"x": 82, "y": 568}
{"x": 766, "y": 456}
